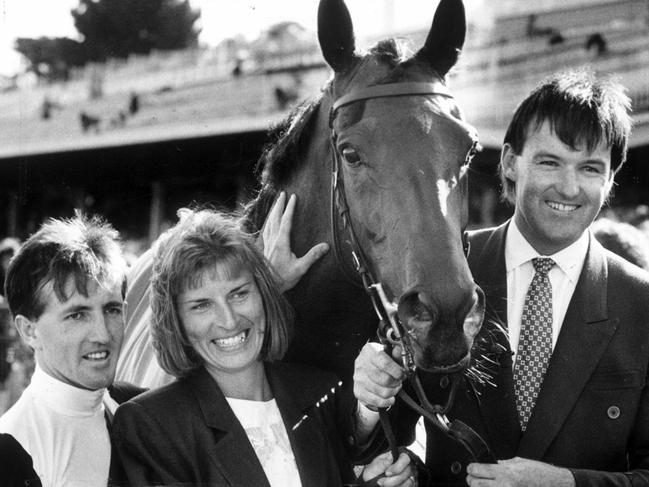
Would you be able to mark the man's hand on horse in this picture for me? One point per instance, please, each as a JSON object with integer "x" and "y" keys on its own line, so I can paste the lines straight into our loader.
{"x": 397, "y": 474}
{"x": 377, "y": 377}
{"x": 276, "y": 242}
{"x": 518, "y": 472}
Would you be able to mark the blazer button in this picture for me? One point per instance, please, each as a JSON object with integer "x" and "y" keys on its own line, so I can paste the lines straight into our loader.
{"x": 443, "y": 382}
{"x": 456, "y": 467}
{"x": 613, "y": 412}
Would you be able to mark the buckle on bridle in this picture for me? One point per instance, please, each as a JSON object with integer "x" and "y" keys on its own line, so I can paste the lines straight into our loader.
{"x": 443, "y": 421}
{"x": 390, "y": 329}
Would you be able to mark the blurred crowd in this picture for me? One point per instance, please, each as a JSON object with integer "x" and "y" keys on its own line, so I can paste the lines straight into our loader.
{"x": 625, "y": 233}
{"x": 16, "y": 360}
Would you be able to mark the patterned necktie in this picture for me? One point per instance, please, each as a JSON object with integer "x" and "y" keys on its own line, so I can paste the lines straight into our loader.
{"x": 535, "y": 342}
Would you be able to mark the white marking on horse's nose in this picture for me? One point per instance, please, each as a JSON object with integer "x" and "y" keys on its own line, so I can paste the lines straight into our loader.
{"x": 443, "y": 191}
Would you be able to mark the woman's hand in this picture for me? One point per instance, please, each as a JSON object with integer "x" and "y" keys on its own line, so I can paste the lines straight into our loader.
{"x": 276, "y": 243}
{"x": 397, "y": 474}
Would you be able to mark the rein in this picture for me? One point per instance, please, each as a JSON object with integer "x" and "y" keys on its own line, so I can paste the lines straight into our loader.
{"x": 391, "y": 332}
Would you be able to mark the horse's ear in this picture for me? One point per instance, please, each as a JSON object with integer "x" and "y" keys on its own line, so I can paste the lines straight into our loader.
{"x": 336, "y": 34}
{"x": 446, "y": 37}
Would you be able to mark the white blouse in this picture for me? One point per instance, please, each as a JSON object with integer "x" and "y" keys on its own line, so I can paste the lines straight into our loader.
{"x": 263, "y": 424}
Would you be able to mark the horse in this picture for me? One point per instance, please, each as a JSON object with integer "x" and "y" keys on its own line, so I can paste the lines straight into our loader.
{"x": 379, "y": 163}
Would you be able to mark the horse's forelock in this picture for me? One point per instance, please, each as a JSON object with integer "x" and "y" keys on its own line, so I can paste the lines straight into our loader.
{"x": 398, "y": 55}
{"x": 391, "y": 51}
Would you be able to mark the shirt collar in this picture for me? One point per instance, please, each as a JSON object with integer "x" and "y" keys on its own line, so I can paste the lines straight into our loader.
{"x": 570, "y": 260}
{"x": 65, "y": 398}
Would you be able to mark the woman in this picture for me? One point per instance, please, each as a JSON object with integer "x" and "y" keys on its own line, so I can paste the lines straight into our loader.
{"x": 235, "y": 415}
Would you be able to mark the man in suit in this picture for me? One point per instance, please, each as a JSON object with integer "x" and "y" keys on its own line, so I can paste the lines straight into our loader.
{"x": 65, "y": 290}
{"x": 566, "y": 339}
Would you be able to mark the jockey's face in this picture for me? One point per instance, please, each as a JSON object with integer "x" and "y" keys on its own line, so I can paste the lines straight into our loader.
{"x": 77, "y": 341}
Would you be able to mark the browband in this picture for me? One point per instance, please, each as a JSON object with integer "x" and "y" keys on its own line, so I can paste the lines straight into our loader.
{"x": 392, "y": 89}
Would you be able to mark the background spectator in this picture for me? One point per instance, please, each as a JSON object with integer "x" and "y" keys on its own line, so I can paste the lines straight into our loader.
{"x": 624, "y": 240}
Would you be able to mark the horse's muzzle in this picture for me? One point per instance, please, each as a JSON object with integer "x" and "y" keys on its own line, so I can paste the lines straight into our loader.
{"x": 442, "y": 338}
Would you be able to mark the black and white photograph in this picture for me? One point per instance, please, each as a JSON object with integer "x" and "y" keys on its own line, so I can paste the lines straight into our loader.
{"x": 324, "y": 243}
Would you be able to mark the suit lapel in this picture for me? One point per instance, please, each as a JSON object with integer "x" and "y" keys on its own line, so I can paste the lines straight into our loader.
{"x": 497, "y": 404}
{"x": 233, "y": 455}
{"x": 304, "y": 434}
{"x": 487, "y": 263}
{"x": 584, "y": 336}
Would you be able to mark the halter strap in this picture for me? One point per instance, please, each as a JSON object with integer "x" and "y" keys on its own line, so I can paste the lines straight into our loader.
{"x": 393, "y": 89}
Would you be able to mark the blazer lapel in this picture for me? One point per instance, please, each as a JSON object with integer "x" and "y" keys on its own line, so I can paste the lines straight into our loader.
{"x": 233, "y": 455}
{"x": 497, "y": 403}
{"x": 304, "y": 434}
{"x": 584, "y": 336}
{"x": 118, "y": 393}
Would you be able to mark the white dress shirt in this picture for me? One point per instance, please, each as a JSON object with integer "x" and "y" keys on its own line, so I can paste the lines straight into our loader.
{"x": 520, "y": 271}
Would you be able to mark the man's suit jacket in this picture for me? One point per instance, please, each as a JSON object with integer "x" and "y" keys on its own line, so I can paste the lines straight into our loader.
{"x": 185, "y": 432}
{"x": 592, "y": 413}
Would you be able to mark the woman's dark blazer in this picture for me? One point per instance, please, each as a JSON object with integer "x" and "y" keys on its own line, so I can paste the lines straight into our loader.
{"x": 186, "y": 432}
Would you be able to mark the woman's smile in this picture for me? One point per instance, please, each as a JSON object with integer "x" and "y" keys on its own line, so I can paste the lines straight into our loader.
{"x": 232, "y": 342}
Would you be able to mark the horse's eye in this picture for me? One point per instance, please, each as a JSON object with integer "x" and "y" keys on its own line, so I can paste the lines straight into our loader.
{"x": 351, "y": 156}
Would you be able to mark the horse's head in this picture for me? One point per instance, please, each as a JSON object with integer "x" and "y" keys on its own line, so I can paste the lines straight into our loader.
{"x": 403, "y": 153}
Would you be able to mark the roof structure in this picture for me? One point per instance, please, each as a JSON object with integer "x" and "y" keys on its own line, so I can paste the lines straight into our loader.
{"x": 194, "y": 94}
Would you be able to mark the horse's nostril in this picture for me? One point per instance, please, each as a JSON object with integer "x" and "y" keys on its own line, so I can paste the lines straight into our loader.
{"x": 414, "y": 307}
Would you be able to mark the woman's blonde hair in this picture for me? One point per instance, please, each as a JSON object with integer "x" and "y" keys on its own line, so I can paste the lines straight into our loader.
{"x": 200, "y": 241}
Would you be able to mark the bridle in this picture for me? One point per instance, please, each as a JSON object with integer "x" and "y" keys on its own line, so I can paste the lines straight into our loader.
{"x": 391, "y": 331}
{"x": 339, "y": 207}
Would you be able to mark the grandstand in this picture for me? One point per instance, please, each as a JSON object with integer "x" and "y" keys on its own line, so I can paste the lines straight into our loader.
{"x": 212, "y": 98}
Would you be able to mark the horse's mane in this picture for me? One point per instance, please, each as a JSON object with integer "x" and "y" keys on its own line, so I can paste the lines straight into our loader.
{"x": 279, "y": 158}
{"x": 282, "y": 155}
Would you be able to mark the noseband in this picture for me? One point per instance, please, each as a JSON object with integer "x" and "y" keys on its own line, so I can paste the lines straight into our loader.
{"x": 391, "y": 331}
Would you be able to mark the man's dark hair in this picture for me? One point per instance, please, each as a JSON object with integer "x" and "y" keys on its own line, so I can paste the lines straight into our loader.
{"x": 582, "y": 110}
{"x": 83, "y": 249}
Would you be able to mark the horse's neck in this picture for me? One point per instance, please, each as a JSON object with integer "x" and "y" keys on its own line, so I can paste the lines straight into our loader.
{"x": 333, "y": 320}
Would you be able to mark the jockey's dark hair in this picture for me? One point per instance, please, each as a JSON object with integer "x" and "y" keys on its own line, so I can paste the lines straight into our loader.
{"x": 203, "y": 242}
{"x": 82, "y": 249}
{"x": 581, "y": 109}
